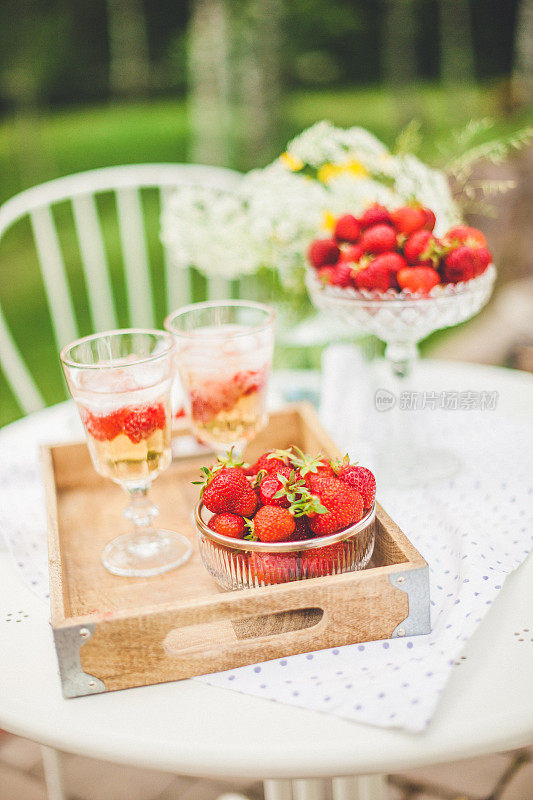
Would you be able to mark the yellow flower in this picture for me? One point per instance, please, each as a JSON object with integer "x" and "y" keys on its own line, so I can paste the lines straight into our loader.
{"x": 291, "y": 162}
{"x": 328, "y": 221}
{"x": 353, "y": 168}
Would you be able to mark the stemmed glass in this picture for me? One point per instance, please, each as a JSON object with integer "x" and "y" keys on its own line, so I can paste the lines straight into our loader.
{"x": 402, "y": 321}
{"x": 224, "y": 355}
{"x": 121, "y": 381}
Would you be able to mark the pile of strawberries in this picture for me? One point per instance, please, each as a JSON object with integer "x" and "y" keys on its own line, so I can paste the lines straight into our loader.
{"x": 287, "y": 496}
{"x": 384, "y": 249}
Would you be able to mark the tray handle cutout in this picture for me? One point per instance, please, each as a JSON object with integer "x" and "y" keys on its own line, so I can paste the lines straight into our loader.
{"x": 193, "y": 638}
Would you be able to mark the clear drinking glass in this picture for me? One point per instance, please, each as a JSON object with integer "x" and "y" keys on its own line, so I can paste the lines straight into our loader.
{"x": 121, "y": 381}
{"x": 224, "y": 360}
{"x": 402, "y": 320}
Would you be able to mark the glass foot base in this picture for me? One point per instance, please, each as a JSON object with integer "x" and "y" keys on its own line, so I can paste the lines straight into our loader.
{"x": 413, "y": 468}
{"x": 146, "y": 554}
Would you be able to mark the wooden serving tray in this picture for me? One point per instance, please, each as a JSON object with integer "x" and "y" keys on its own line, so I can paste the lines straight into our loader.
{"x": 113, "y": 633}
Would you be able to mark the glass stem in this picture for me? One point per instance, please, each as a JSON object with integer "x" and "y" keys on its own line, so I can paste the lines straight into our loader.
{"x": 400, "y": 356}
{"x": 140, "y": 510}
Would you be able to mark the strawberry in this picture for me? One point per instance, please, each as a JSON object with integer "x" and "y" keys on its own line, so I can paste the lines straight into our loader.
{"x": 418, "y": 279}
{"x": 344, "y": 506}
{"x": 273, "y": 524}
{"x": 302, "y": 530}
{"x": 409, "y": 219}
{"x": 347, "y": 228}
{"x": 342, "y": 274}
{"x": 360, "y": 479}
{"x": 106, "y": 427}
{"x": 310, "y": 468}
{"x": 322, "y": 252}
{"x": 351, "y": 254}
{"x": 270, "y": 461}
{"x": 223, "y": 489}
{"x": 429, "y": 224}
{"x": 378, "y": 239}
{"x": 422, "y": 248}
{"x": 378, "y": 277}
{"x": 269, "y": 488}
{"x": 375, "y": 215}
{"x": 248, "y": 381}
{"x": 322, "y": 561}
{"x": 227, "y": 525}
{"x": 140, "y": 423}
{"x": 246, "y": 504}
{"x": 268, "y": 568}
{"x": 391, "y": 261}
{"x": 464, "y": 263}
{"x": 463, "y": 234}
{"x": 326, "y": 274}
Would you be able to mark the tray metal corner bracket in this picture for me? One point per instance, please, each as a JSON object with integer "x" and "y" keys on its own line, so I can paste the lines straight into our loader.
{"x": 415, "y": 582}
{"x": 75, "y": 681}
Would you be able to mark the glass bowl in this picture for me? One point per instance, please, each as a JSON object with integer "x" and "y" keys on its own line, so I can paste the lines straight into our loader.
{"x": 243, "y": 564}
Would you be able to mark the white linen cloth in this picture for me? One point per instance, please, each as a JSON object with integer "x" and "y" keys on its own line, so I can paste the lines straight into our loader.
{"x": 473, "y": 530}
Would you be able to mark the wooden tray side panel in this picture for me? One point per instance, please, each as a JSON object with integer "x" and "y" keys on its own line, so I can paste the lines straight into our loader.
{"x": 181, "y": 643}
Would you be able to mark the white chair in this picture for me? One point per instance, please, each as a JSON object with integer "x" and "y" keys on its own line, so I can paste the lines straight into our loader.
{"x": 81, "y": 191}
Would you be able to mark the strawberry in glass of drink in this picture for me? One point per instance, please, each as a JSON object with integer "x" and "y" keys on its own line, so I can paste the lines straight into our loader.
{"x": 224, "y": 361}
{"x": 121, "y": 382}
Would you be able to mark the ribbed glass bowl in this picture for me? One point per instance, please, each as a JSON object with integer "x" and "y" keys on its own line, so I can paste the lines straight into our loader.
{"x": 242, "y": 564}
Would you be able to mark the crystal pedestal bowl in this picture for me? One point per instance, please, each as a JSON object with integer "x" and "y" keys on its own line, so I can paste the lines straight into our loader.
{"x": 402, "y": 320}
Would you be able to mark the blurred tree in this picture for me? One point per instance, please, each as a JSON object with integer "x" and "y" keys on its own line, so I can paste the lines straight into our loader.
{"x": 209, "y": 82}
{"x": 399, "y": 57}
{"x": 234, "y": 79}
{"x": 523, "y": 55}
{"x": 129, "y": 60}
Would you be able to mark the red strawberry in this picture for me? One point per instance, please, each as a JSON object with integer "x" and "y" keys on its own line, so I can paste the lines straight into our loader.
{"x": 351, "y": 254}
{"x": 391, "y": 261}
{"x": 249, "y": 381}
{"x": 375, "y": 215}
{"x": 141, "y": 423}
{"x": 430, "y": 219}
{"x": 246, "y": 504}
{"x": 421, "y": 248}
{"x": 325, "y": 274}
{"x": 344, "y": 506}
{"x": 268, "y": 488}
{"x": 418, "y": 279}
{"x": 342, "y": 274}
{"x": 322, "y": 561}
{"x": 302, "y": 530}
{"x": 378, "y": 239}
{"x": 273, "y": 524}
{"x": 104, "y": 428}
{"x": 360, "y": 479}
{"x": 378, "y": 278}
{"x": 482, "y": 260}
{"x": 268, "y": 568}
{"x": 465, "y": 235}
{"x": 224, "y": 489}
{"x": 459, "y": 265}
{"x": 270, "y": 462}
{"x": 322, "y": 252}
{"x": 310, "y": 468}
{"x": 347, "y": 228}
{"x": 227, "y": 525}
{"x": 409, "y": 219}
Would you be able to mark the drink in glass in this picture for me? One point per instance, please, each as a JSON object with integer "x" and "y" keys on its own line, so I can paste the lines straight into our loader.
{"x": 224, "y": 361}
{"x": 121, "y": 382}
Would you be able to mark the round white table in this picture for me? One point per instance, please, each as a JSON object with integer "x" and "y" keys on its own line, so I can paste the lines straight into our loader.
{"x": 191, "y": 728}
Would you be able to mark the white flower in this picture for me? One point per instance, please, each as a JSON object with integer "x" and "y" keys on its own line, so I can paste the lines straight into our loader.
{"x": 274, "y": 214}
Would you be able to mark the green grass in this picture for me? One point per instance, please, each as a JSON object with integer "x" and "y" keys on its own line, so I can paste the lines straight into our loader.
{"x": 36, "y": 149}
